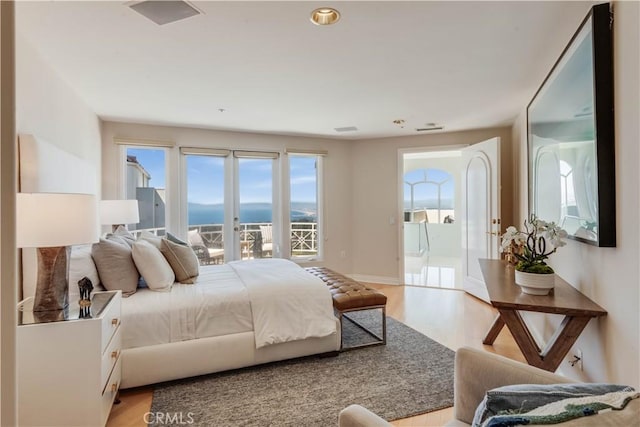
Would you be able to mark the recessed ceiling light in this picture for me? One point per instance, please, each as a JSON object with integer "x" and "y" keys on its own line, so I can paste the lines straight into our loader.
{"x": 325, "y": 16}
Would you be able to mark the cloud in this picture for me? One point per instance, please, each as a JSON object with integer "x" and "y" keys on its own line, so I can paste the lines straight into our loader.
{"x": 309, "y": 179}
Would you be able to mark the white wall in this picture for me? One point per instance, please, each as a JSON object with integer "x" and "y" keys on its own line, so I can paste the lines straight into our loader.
{"x": 337, "y": 206}
{"x": 609, "y": 276}
{"x": 376, "y": 252}
{"x": 48, "y": 108}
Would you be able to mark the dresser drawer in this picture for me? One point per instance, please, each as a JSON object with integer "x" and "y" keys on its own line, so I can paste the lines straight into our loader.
{"x": 110, "y": 321}
{"x": 111, "y": 356}
{"x": 110, "y": 391}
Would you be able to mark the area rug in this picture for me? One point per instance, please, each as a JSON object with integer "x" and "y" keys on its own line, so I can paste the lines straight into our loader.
{"x": 409, "y": 376}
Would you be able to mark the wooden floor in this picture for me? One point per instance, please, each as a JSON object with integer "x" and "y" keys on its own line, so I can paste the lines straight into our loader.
{"x": 450, "y": 317}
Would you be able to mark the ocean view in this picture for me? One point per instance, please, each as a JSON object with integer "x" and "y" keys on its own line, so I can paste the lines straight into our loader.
{"x": 200, "y": 214}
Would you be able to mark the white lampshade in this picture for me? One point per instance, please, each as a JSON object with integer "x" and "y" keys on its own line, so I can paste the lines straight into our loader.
{"x": 55, "y": 219}
{"x": 119, "y": 212}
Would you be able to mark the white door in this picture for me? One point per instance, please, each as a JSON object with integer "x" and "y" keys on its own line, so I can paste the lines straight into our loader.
{"x": 480, "y": 212}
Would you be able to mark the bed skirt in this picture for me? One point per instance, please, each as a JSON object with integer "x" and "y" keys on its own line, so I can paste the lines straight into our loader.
{"x": 166, "y": 362}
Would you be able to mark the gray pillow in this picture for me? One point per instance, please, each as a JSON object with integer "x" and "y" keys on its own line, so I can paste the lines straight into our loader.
{"x": 115, "y": 266}
{"x": 174, "y": 239}
{"x": 123, "y": 234}
{"x": 182, "y": 260}
{"x": 521, "y": 398}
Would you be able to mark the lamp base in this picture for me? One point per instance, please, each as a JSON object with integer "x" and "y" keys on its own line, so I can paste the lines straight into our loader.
{"x": 52, "y": 286}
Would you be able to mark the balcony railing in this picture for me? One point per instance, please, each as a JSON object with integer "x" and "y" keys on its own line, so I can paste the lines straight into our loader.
{"x": 304, "y": 238}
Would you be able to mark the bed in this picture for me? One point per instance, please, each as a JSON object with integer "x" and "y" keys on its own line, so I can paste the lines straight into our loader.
{"x": 235, "y": 315}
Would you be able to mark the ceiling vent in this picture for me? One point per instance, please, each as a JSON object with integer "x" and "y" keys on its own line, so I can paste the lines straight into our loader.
{"x": 165, "y": 12}
{"x": 430, "y": 126}
{"x": 346, "y": 129}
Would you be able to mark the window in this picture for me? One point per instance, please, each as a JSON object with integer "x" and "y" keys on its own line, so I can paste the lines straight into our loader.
{"x": 567, "y": 190}
{"x": 304, "y": 205}
{"x": 429, "y": 195}
{"x": 205, "y": 207}
{"x": 145, "y": 179}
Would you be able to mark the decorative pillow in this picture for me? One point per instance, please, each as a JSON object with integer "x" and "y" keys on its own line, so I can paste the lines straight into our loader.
{"x": 115, "y": 266}
{"x": 521, "y": 398}
{"x": 125, "y": 235}
{"x": 81, "y": 265}
{"x": 150, "y": 237}
{"x": 174, "y": 239}
{"x": 182, "y": 259}
{"x": 153, "y": 267}
{"x": 195, "y": 239}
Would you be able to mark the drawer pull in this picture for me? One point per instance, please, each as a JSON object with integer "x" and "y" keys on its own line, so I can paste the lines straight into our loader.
{"x": 114, "y": 388}
{"x": 115, "y": 322}
{"x": 114, "y": 354}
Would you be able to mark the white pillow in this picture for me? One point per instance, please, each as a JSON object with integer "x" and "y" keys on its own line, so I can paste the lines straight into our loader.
{"x": 153, "y": 266}
{"x": 81, "y": 265}
{"x": 150, "y": 237}
{"x": 195, "y": 239}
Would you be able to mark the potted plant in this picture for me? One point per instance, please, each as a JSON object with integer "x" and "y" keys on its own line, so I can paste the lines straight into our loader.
{"x": 530, "y": 248}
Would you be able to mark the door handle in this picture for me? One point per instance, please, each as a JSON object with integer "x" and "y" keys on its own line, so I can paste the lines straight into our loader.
{"x": 236, "y": 228}
{"x": 493, "y": 233}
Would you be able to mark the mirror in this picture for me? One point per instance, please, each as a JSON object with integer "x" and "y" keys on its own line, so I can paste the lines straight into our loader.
{"x": 571, "y": 140}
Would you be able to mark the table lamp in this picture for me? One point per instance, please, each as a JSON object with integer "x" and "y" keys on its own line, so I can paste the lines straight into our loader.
{"x": 51, "y": 222}
{"x": 119, "y": 212}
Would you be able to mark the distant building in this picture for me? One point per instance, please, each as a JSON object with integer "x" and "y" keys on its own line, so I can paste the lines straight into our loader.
{"x": 151, "y": 201}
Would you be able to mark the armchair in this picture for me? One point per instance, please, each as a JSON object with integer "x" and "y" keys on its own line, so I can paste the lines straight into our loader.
{"x": 263, "y": 244}
{"x": 206, "y": 255}
{"x": 476, "y": 372}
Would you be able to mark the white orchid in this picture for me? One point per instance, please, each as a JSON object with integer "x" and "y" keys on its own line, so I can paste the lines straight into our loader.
{"x": 511, "y": 237}
{"x": 533, "y": 245}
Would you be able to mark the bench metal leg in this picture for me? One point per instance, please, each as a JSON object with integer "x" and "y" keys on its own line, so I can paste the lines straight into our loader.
{"x": 380, "y": 340}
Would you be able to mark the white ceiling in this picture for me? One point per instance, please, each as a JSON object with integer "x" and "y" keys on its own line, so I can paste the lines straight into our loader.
{"x": 462, "y": 65}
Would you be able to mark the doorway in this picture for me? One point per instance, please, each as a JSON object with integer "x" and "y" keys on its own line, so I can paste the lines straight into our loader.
{"x": 431, "y": 224}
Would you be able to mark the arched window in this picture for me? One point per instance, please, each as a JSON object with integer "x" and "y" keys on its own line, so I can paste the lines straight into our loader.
{"x": 568, "y": 196}
{"x": 429, "y": 192}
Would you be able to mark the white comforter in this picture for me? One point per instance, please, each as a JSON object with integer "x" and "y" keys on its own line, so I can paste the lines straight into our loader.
{"x": 287, "y": 303}
{"x": 275, "y": 298}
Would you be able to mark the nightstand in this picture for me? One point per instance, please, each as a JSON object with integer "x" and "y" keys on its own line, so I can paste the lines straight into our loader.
{"x": 69, "y": 363}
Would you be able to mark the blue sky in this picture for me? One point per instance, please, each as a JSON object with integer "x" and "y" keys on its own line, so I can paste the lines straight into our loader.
{"x": 205, "y": 177}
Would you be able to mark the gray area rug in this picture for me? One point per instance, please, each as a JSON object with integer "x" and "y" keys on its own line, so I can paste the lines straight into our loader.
{"x": 409, "y": 376}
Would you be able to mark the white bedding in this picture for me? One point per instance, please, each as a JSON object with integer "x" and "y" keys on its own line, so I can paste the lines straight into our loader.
{"x": 218, "y": 304}
{"x": 287, "y": 303}
{"x": 232, "y": 298}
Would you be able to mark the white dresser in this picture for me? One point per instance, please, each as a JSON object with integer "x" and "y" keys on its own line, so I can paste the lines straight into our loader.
{"x": 69, "y": 366}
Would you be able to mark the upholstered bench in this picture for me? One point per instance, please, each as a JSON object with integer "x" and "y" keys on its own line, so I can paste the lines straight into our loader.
{"x": 350, "y": 295}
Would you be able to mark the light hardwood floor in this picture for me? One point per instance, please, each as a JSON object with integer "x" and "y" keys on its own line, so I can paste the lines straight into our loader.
{"x": 450, "y": 317}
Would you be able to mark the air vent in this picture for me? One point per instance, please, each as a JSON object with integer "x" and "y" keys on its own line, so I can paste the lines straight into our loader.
{"x": 430, "y": 126}
{"x": 346, "y": 129}
{"x": 165, "y": 12}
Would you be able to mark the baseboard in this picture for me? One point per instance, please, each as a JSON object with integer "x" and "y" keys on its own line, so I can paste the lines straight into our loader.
{"x": 382, "y": 280}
